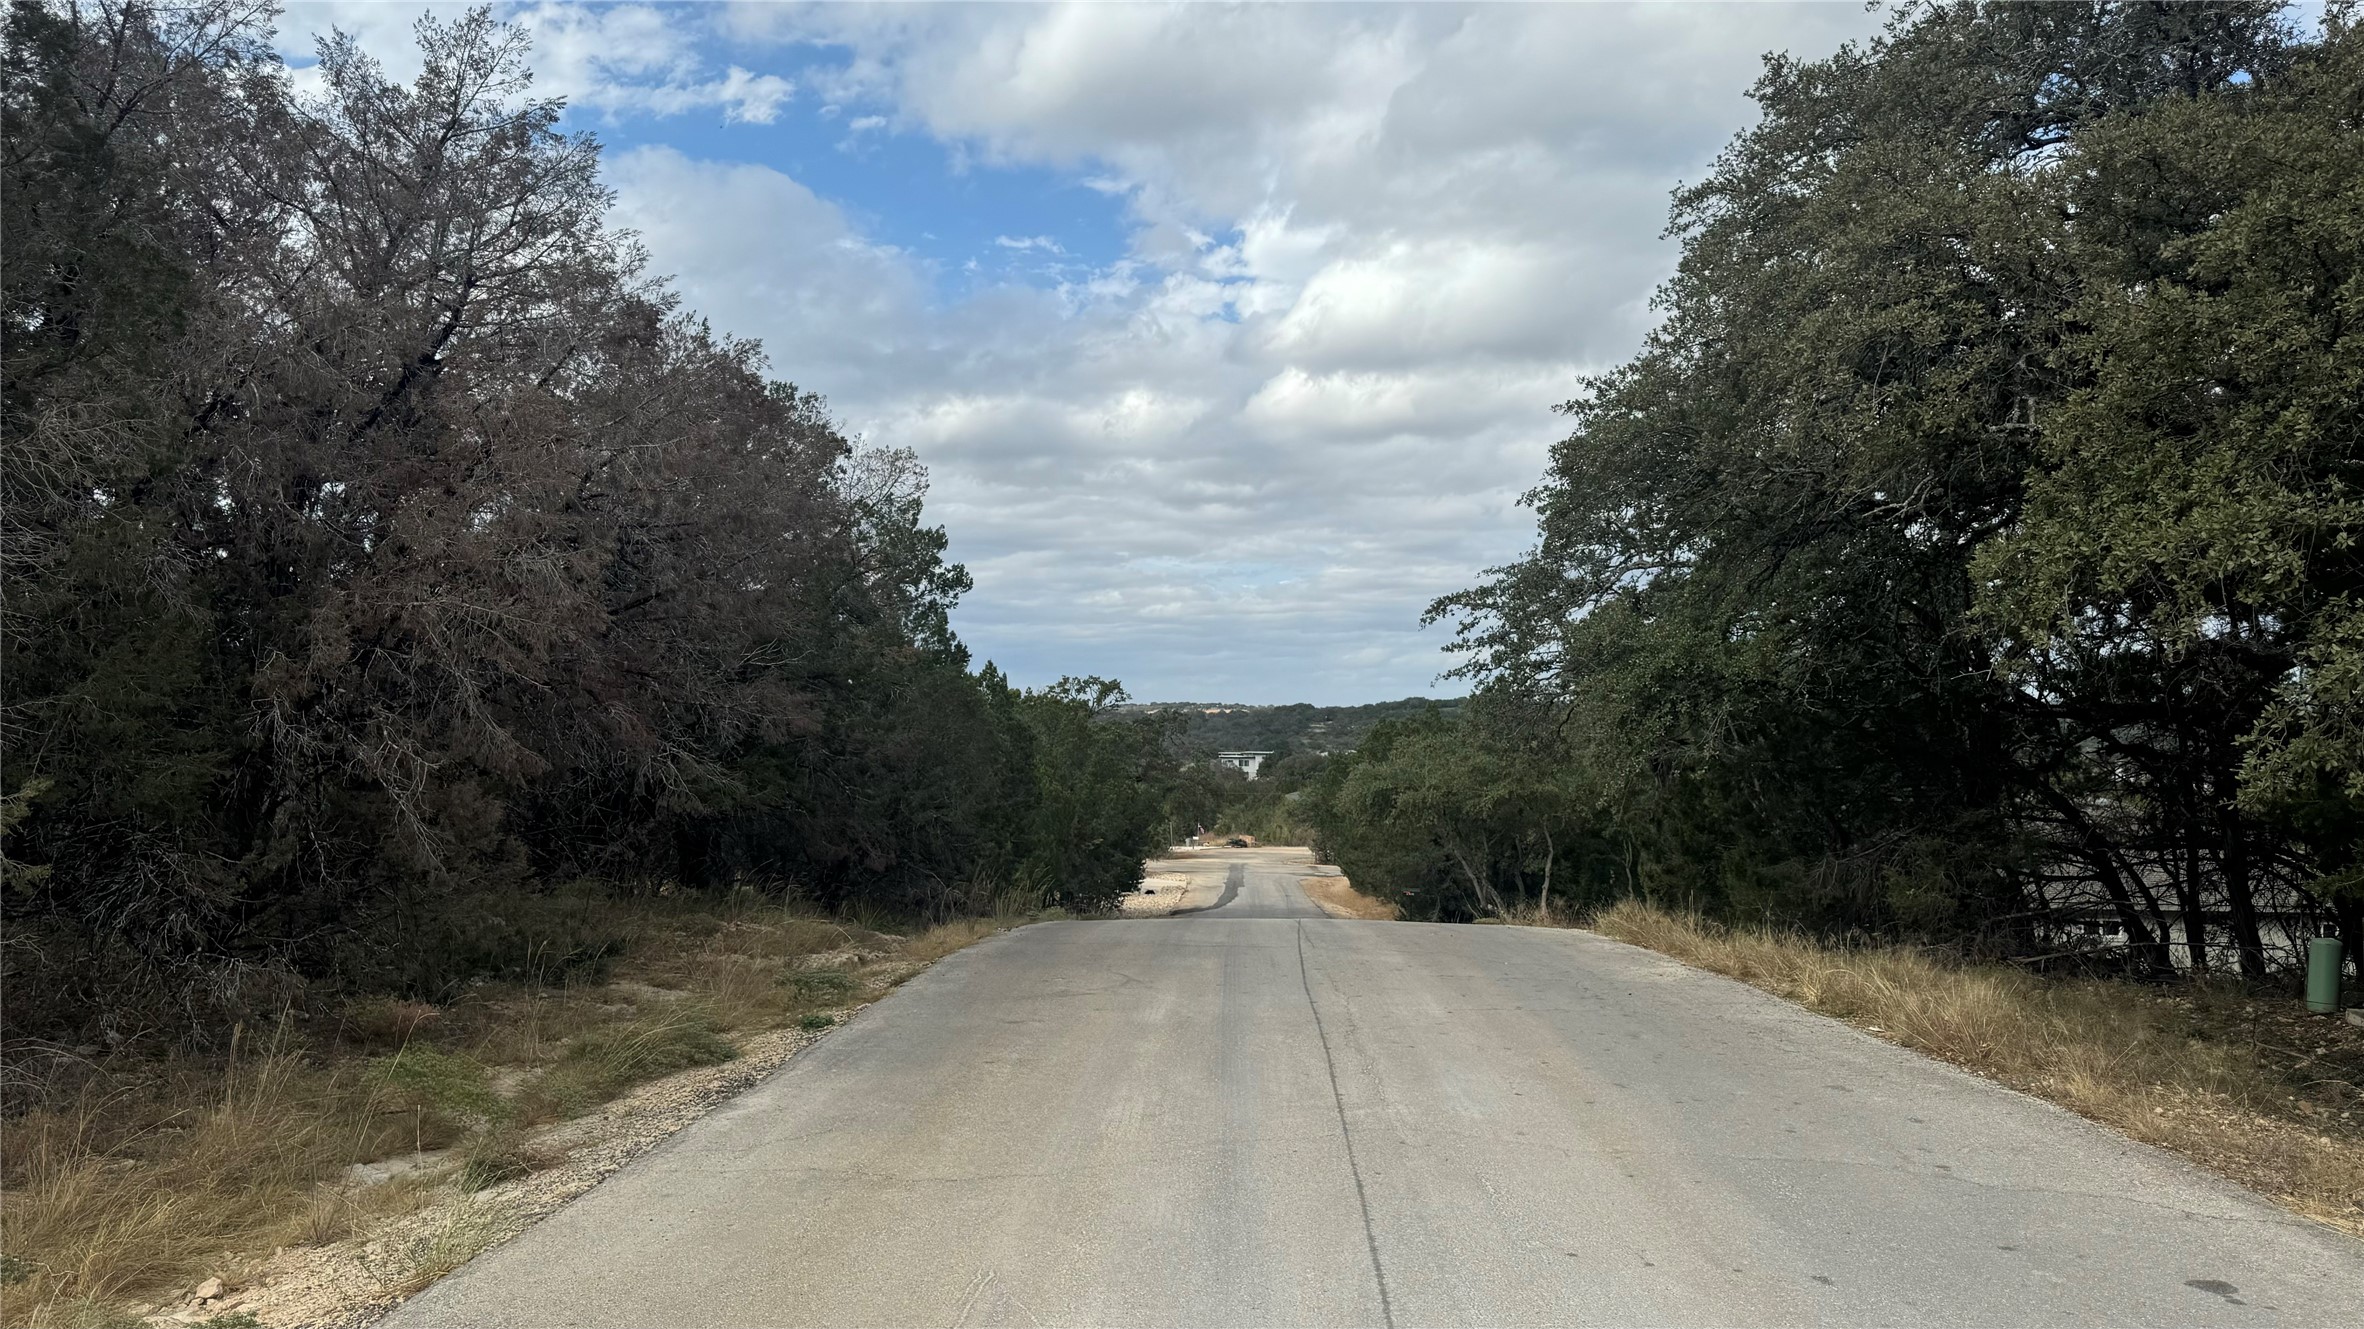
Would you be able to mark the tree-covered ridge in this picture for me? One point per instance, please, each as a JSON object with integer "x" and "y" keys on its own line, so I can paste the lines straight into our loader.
{"x": 1973, "y": 548}
{"x": 386, "y": 547}
{"x": 1202, "y": 728}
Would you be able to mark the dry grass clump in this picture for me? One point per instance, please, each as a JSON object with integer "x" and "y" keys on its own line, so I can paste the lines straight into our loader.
{"x": 124, "y": 1182}
{"x": 607, "y": 1061}
{"x": 945, "y": 938}
{"x": 1339, "y": 899}
{"x": 2247, "y": 1087}
{"x": 139, "y": 1175}
{"x": 443, "y": 1248}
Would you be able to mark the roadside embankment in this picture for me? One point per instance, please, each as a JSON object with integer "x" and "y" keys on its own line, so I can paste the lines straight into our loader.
{"x": 2248, "y": 1087}
{"x": 1328, "y": 887}
{"x": 328, "y": 1166}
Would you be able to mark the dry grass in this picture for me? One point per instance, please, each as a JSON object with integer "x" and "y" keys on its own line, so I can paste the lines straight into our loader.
{"x": 2247, "y": 1087}
{"x": 945, "y": 938}
{"x": 1339, "y": 899}
{"x": 128, "y": 1180}
{"x": 114, "y": 1189}
{"x": 445, "y": 1247}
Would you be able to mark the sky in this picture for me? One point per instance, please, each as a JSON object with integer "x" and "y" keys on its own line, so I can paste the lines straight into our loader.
{"x": 1230, "y": 336}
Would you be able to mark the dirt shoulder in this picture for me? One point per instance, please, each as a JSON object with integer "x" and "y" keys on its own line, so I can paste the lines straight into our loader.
{"x": 353, "y": 1282}
{"x": 1329, "y": 888}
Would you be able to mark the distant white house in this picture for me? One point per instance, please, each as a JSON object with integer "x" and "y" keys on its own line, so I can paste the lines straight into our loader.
{"x": 1246, "y": 763}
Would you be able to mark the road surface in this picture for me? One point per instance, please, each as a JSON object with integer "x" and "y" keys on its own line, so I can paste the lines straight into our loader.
{"x": 1255, "y": 1114}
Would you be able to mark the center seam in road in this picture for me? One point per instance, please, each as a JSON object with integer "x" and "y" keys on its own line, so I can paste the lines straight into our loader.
{"x": 1362, "y": 1196}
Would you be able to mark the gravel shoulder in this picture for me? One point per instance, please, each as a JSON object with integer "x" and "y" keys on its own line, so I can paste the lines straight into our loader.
{"x": 353, "y": 1283}
{"x": 416, "y": 1218}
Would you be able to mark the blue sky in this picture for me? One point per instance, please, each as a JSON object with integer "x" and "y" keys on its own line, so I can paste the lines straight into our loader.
{"x": 1229, "y": 335}
{"x": 970, "y": 224}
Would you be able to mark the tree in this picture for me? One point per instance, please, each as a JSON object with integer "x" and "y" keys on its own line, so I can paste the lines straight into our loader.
{"x": 1956, "y": 539}
{"x": 384, "y": 546}
{"x": 2187, "y": 573}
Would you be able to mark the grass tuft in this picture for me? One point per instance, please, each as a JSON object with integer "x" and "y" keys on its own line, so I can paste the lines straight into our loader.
{"x": 115, "y": 1189}
{"x": 606, "y": 1062}
{"x": 501, "y": 1154}
{"x": 462, "y": 1236}
{"x": 945, "y": 938}
{"x": 820, "y": 987}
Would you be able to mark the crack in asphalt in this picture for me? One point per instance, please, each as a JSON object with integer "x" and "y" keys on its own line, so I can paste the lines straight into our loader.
{"x": 1362, "y": 1197}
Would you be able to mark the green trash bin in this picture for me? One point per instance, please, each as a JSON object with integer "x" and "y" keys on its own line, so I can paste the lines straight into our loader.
{"x": 2323, "y": 976}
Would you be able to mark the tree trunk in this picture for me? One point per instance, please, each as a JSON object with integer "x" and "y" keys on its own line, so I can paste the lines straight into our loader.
{"x": 1486, "y": 897}
{"x": 1550, "y": 851}
{"x": 2150, "y": 952}
{"x": 2238, "y": 897}
{"x": 2348, "y": 912}
{"x": 2195, "y": 924}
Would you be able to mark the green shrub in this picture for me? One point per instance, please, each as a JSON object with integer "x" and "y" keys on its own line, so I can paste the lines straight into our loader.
{"x": 820, "y": 987}
{"x": 443, "y": 1082}
{"x": 816, "y": 1022}
{"x": 437, "y": 945}
{"x": 604, "y": 1064}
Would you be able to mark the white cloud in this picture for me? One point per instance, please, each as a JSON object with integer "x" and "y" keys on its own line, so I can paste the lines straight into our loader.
{"x": 641, "y": 59}
{"x": 1372, "y": 247}
{"x": 616, "y": 59}
{"x": 1369, "y": 249}
{"x": 761, "y": 255}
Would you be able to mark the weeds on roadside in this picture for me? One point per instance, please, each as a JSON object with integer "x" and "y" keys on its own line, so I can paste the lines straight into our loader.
{"x": 606, "y": 1062}
{"x": 499, "y": 1154}
{"x": 2200, "y": 1071}
{"x": 129, "y": 1177}
{"x": 820, "y": 987}
{"x": 458, "y": 1239}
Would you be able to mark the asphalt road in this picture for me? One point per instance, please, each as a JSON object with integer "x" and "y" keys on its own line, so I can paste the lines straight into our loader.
{"x": 1258, "y": 1115}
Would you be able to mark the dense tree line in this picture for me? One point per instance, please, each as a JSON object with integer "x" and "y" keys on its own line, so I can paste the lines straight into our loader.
{"x": 1299, "y": 739}
{"x": 1211, "y": 799}
{"x": 1206, "y": 728}
{"x": 385, "y": 546}
{"x": 1972, "y": 552}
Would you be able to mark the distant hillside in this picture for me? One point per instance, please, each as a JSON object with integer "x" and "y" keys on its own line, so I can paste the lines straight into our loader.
{"x": 1219, "y": 726}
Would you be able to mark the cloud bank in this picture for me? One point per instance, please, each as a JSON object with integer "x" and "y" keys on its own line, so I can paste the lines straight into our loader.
{"x": 1367, "y": 250}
